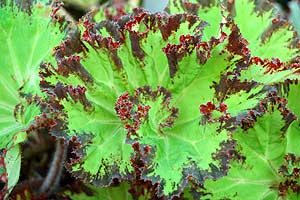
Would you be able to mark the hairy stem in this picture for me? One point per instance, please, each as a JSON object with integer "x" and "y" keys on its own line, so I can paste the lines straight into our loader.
{"x": 55, "y": 169}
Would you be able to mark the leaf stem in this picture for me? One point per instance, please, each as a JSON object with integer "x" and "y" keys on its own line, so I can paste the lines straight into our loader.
{"x": 56, "y": 167}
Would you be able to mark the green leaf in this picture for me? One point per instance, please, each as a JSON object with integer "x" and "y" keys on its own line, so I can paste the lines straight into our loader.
{"x": 131, "y": 91}
{"x": 13, "y": 164}
{"x": 292, "y": 97}
{"x": 264, "y": 36}
{"x": 261, "y": 74}
{"x": 195, "y": 151}
{"x": 26, "y": 40}
{"x": 208, "y": 11}
{"x": 106, "y": 155}
{"x": 294, "y": 129}
{"x": 168, "y": 164}
{"x": 10, "y": 164}
{"x": 211, "y": 12}
{"x": 107, "y": 193}
{"x": 13, "y": 129}
{"x": 264, "y": 147}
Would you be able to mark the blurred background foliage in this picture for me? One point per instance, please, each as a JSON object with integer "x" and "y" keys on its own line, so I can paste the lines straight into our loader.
{"x": 294, "y": 14}
{"x": 288, "y": 9}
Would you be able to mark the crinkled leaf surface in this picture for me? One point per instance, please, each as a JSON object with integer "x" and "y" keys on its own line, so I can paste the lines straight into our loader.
{"x": 264, "y": 147}
{"x": 210, "y": 11}
{"x": 25, "y": 42}
{"x": 131, "y": 90}
{"x": 105, "y": 78}
{"x": 265, "y": 36}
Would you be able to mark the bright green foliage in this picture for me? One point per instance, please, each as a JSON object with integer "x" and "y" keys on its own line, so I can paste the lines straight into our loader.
{"x": 293, "y": 99}
{"x": 25, "y": 42}
{"x": 10, "y": 162}
{"x": 294, "y": 129}
{"x": 174, "y": 64}
{"x": 169, "y": 162}
{"x": 173, "y": 99}
{"x": 210, "y": 12}
{"x": 259, "y": 30}
{"x": 13, "y": 129}
{"x": 108, "y": 149}
{"x": 13, "y": 164}
{"x": 108, "y": 145}
{"x": 264, "y": 146}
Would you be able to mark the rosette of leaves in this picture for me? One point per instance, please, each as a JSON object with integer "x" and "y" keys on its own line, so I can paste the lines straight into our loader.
{"x": 160, "y": 97}
{"x": 27, "y": 38}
